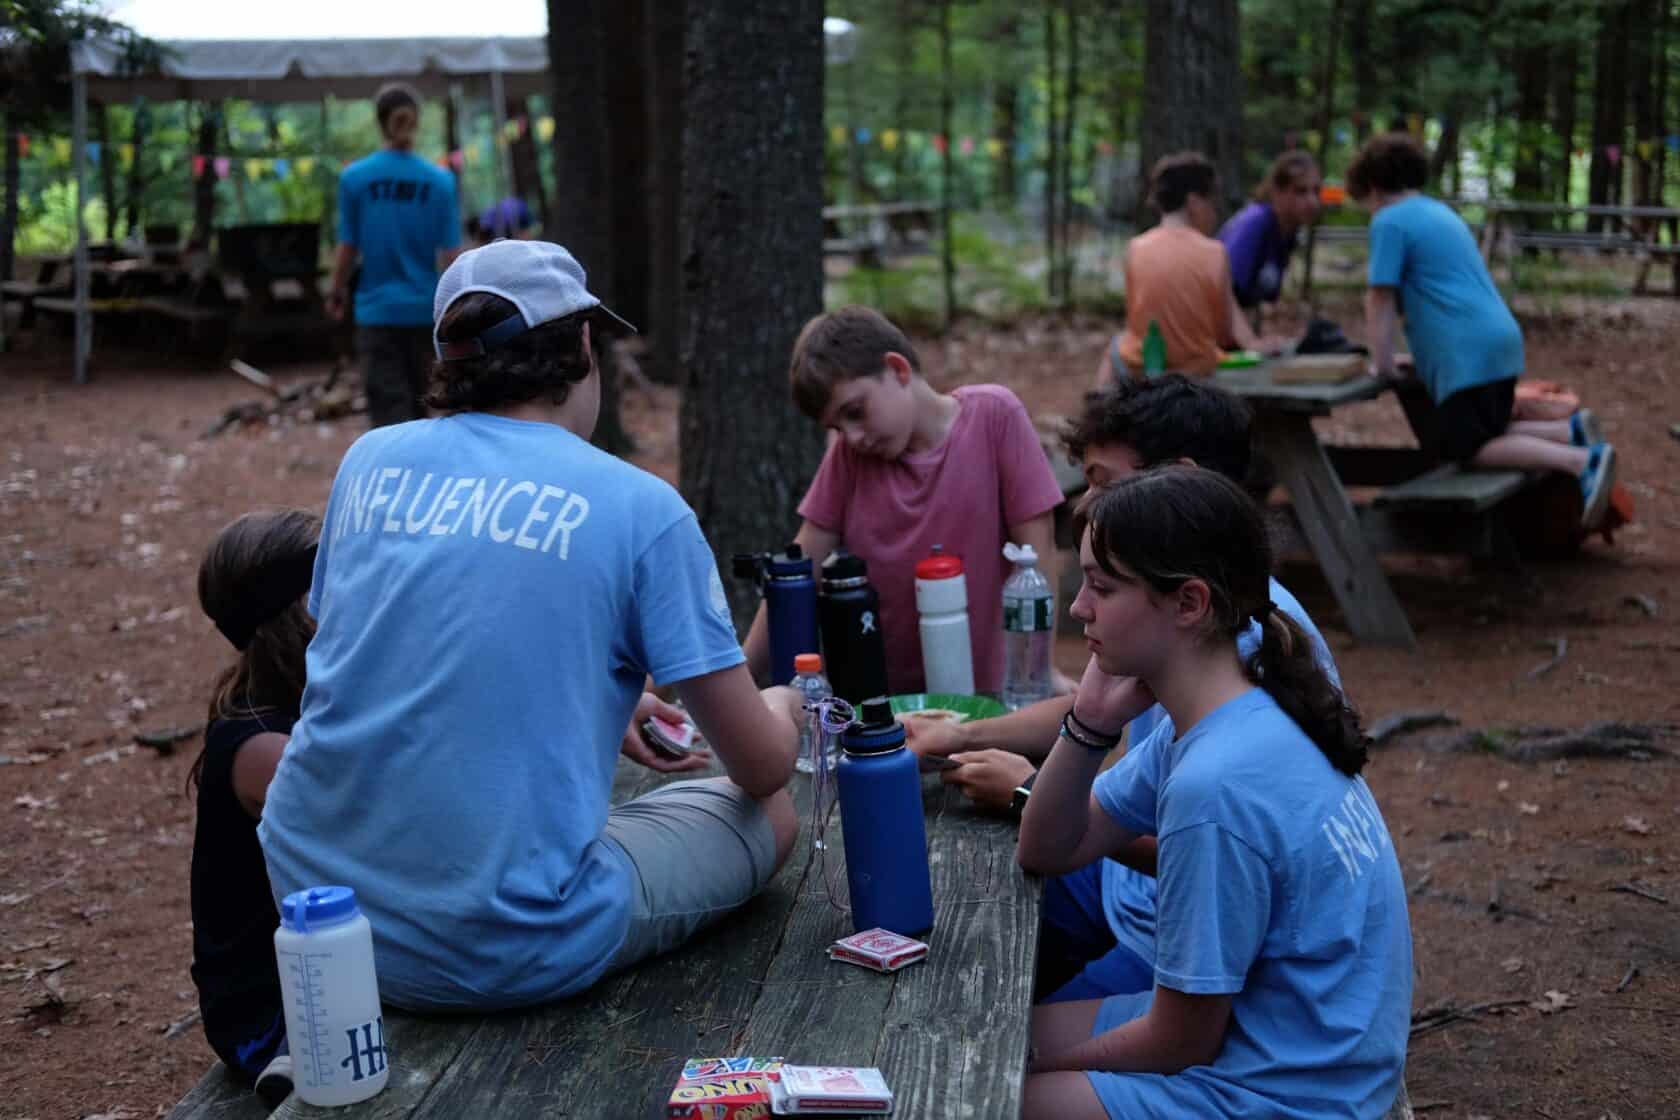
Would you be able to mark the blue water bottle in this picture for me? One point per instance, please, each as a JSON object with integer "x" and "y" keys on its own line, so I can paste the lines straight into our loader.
{"x": 790, "y": 594}
{"x": 881, "y": 816}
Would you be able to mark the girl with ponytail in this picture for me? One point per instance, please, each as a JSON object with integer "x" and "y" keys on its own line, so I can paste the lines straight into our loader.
{"x": 1282, "y": 971}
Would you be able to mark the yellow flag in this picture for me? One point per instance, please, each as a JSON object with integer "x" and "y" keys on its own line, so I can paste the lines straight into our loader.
{"x": 994, "y": 147}
{"x": 305, "y": 165}
{"x": 1646, "y": 147}
{"x": 837, "y": 134}
{"x": 889, "y": 139}
{"x": 545, "y": 129}
{"x": 253, "y": 169}
{"x": 127, "y": 151}
{"x": 61, "y": 148}
{"x": 1414, "y": 124}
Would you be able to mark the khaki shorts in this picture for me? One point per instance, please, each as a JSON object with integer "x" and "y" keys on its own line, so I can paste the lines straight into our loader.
{"x": 697, "y": 850}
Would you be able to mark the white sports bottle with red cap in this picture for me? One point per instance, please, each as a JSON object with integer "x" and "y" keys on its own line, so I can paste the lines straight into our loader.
{"x": 942, "y": 604}
{"x": 334, "y": 1026}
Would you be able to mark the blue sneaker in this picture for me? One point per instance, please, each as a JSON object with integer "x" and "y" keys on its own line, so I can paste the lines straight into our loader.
{"x": 1584, "y": 428}
{"x": 1596, "y": 482}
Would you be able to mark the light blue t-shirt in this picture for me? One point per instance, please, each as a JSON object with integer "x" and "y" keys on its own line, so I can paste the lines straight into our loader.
{"x": 1459, "y": 330}
{"x": 1128, "y": 895}
{"x": 398, "y": 211}
{"x": 1279, "y": 886}
{"x": 490, "y": 595}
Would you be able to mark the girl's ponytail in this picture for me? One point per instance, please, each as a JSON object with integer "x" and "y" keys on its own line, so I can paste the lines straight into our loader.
{"x": 1287, "y": 667}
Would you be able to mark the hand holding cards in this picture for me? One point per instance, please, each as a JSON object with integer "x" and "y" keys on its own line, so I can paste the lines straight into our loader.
{"x": 673, "y": 740}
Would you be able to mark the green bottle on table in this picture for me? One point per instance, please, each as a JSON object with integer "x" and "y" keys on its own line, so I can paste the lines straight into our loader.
{"x": 1154, "y": 351}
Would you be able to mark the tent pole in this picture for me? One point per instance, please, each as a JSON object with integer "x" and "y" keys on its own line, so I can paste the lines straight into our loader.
{"x": 78, "y": 132}
{"x": 504, "y": 164}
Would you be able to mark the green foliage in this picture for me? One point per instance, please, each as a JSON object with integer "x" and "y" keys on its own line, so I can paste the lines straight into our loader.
{"x": 49, "y": 220}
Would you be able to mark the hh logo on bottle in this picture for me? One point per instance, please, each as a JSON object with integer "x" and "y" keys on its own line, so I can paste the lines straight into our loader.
{"x": 367, "y": 1055}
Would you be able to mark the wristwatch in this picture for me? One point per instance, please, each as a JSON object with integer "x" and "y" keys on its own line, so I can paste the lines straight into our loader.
{"x": 1018, "y": 799}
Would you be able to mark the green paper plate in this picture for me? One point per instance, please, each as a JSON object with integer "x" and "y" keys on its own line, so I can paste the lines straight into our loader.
{"x": 1240, "y": 359}
{"x": 974, "y": 707}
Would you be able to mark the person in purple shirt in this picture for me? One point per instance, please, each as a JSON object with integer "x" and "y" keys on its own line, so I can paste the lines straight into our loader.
{"x": 1260, "y": 237}
{"x": 508, "y": 218}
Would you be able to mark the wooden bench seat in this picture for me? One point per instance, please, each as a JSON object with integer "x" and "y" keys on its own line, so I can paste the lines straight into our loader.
{"x": 1450, "y": 489}
{"x": 185, "y": 310}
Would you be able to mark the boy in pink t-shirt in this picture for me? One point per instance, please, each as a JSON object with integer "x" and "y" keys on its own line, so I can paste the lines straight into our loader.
{"x": 913, "y": 468}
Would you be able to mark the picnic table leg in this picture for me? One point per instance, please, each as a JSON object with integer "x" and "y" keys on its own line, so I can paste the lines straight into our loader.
{"x": 1332, "y": 530}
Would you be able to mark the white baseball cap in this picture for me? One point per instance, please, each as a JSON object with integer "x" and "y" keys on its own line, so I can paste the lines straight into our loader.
{"x": 541, "y": 279}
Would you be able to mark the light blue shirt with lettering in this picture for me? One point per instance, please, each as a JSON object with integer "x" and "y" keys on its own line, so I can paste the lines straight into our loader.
{"x": 1128, "y": 896}
{"x": 1278, "y": 886}
{"x": 491, "y": 595}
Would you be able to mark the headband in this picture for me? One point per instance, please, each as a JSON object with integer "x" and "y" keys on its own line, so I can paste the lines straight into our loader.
{"x": 274, "y": 586}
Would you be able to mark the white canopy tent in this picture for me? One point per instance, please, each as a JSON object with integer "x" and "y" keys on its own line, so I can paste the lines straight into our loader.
{"x": 298, "y": 51}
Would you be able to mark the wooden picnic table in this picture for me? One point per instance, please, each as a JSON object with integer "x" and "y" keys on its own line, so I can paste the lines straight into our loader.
{"x": 950, "y": 1034}
{"x": 1283, "y": 432}
{"x": 1635, "y": 229}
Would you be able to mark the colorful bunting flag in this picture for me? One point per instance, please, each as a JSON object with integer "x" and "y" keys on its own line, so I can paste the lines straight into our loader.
{"x": 1414, "y": 124}
{"x": 889, "y": 139}
{"x": 837, "y": 134}
{"x": 198, "y": 167}
{"x": 166, "y": 160}
{"x": 1645, "y": 150}
{"x": 545, "y": 129}
{"x": 863, "y": 135}
{"x": 282, "y": 169}
{"x": 223, "y": 165}
{"x": 253, "y": 169}
{"x": 1674, "y": 143}
{"x": 454, "y": 159}
{"x": 126, "y": 152}
{"x": 1105, "y": 148}
{"x": 994, "y": 148}
{"x": 939, "y": 143}
{"x": 1613, "y": 153}
{"x": 61, "y": 149}
{"x": 967, "y": 146}
{"x": 94, "y": 150}
{"x": 23, "y": 145}
{"x": 305, "y": 166}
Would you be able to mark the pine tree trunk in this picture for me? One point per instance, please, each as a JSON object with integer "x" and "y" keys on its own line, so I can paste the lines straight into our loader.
{"x": 9, "y": 209}
{"x": 1532, "y": 80}
{"x": 141, "y": 116}
{"x": 629, "y": 129}
{"x": 107, "y": 168}
{"x": 1664, "y": 33}
{"x": 1070, "y": 110}
{"x": 1604, "y": 183}
{"x": 204, "y": 190}
{"x": 1645, "y": 17}
{"x": 904, "y": 87}
{"x": 752, "y": 267}
{"x": 582, "y": 208}
{"x": 947, "y": 174}
{"x": 1006, "y": 95}
{"x": 1192, "y": 87}
{"x": 1052, "y": 156}
{"x": 664, "y": 74}
{"x": 1565, "y": 73}
{"x": 527, "y": 169}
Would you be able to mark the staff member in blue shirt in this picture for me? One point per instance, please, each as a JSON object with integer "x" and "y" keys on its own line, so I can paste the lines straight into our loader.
{"x": 1465, "y": 343}
{"x": 399, "y": 214}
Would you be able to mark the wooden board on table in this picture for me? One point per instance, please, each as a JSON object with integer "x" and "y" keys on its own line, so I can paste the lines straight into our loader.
{"x": 1316, "y": 369}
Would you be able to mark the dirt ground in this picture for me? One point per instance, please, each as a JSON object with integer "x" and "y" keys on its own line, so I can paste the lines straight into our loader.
{"x": 1543, "y": 894}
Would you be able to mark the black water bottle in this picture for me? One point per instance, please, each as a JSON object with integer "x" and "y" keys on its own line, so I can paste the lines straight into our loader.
{"x": 849, "y": 617}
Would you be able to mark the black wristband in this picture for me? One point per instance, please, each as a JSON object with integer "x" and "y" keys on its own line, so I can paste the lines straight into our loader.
{"x": 1089, "y": 742}
{"x": 1091, "y": 732}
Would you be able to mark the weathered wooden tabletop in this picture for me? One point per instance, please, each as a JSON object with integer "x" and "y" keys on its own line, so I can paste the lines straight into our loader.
{"x": 950, "y": 1034}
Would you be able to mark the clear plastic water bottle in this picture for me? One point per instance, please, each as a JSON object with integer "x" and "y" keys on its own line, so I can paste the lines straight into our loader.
{"x": 808, "y": 679}
{"x": 1029, "y": 609}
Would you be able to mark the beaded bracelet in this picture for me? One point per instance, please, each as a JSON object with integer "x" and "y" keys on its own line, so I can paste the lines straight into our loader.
{"x": 1086, "y": 738}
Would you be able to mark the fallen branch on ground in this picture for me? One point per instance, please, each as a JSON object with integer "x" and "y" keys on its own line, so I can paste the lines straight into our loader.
{"x": 1642, "y": 892}
{"x": 164, "y": 741}
{"x": 1560, "y": 650}
{"x": 1445, "y": 1016}
{"x": 1401, "y": 723}
{"x": 1547, "y": 744}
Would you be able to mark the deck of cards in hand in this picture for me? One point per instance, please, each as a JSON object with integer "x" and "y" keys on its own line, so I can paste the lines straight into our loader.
{"x": 879, "y": 949}
{"x": 829, "y": 1091}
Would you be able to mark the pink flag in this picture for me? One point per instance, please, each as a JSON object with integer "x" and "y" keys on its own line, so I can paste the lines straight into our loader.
{"x": 223, "y": 165}
{"x": 939, "y": 143}
{"x": 1613, "y": 153}
{"x": 198, "y": 167}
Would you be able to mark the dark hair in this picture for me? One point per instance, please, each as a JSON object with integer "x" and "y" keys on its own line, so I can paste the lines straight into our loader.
{"x": 1390, "y": 163}
{"x": 269, "y": 674}
{"x": 397, "y": 108}
{"x": 1166, "y": 418}
{"x": 545, "y": 361}
{"x": 1178, "y": 523}
{"x": 1287, "y": 169}
{"x": 1178, "y": 176}
{"x": 839, "y": 346}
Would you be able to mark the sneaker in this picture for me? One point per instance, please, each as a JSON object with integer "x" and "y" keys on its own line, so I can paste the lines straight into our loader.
{"x": 1584, "y": 428}
{"x": 1596, "y": 482}
{"x": 274, "y": 1084}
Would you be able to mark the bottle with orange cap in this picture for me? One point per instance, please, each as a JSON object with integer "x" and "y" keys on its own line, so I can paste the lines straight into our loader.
{"x": 809, "y": 681}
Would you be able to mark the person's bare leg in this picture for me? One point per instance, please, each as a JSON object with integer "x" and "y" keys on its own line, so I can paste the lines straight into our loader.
{"x": 784, "y": 820}
{"x": 1555, "y": 431}
{"x": 1513, "y": 451}
{"x": 1061, "y": 1096}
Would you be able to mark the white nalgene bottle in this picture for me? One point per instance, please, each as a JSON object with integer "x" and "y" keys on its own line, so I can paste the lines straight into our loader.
{"x": 942, "y": 603}
{"x": 809, "y": 682}
{"x": 1029, "y": 609}
{"x": 334, "y": 1028}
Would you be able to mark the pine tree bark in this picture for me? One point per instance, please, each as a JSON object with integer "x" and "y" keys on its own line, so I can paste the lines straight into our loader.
{"x": 1192, "y": 83}
{"x": 107, "y": 168}
{"x": 664, "y": 74}
{"x": 9, "y": 210}
{"x": 527, "y": 169}
{"x": 1565, "y": 73}
{"x": 141, "y": 115}
{"x": 1006, "y": 96}
{"x": 204, "y": 190}
{"x": 582, "y": 219}
{"x": 628, "y": 131}
{"x": 1363, "y": 64}
{"x": 752, "y": 267}
{"x": 1604, "y": 179}
{"x": 1645, "y": 17}
{"x": 1532, "y": 81}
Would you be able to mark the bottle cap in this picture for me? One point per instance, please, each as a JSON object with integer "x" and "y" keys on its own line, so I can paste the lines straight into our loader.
{"x": 939, "y": 565}
{"x": 317, "y": 906}
{"x": 876, "y": 730}
{"x": 843, "y": 565}
{"x": 789, "y": 563}
{"x": 807, "y": 663}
